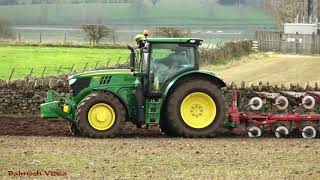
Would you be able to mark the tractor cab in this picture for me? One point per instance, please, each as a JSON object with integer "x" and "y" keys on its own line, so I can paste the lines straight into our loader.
{"x": 160, "y": 60}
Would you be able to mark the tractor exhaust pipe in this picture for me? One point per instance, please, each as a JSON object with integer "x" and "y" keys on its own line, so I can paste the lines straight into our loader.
{"x": 132, "y": 58}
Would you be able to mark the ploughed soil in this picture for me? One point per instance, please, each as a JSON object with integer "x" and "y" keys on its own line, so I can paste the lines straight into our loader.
{"x": 35, "y": 126}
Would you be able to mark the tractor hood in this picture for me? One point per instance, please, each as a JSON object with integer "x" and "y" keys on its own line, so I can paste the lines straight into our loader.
{"x": 112, "y": 79}
{"x": 102, "y": 73}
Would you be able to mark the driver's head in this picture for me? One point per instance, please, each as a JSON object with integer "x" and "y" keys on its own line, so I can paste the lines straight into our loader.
{"x": 177, "y": 50}
{"x": 140, "y": 39}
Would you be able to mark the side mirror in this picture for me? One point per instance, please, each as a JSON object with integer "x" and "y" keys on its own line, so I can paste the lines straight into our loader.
{"x": 132, "y": 58}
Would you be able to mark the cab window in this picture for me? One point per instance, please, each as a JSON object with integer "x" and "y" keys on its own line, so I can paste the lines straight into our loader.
{"x": 168, "y": 60}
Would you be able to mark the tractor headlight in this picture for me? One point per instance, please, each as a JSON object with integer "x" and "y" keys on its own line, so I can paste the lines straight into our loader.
{"x": 78, "y": 84}
{"x": 72, "y": 81}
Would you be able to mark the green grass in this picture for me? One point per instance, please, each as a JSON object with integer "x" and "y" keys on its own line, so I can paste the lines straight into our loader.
{"x": 273, "y": 68}
{"x": 24, "y": 58}
{"x": 166, "y": 12}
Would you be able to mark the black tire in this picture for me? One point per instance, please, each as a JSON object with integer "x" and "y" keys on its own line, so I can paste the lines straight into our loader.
{"x": 74, "y": 129}
{"x": 84, "y": 107}
{"x": 174, "y": 123}
{"x": 165, "y": 129}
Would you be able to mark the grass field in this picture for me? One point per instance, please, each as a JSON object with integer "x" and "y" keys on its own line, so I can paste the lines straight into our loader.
{"x": 275, "y": 68}
{"x": 24, "y": 58}
{"x": 162, "y": 158}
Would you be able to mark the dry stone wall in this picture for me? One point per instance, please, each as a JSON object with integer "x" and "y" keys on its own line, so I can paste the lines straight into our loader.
{"x": 23, "y": 97}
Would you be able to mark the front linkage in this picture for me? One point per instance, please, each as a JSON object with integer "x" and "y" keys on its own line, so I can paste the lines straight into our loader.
{"x": 57, "y": 106}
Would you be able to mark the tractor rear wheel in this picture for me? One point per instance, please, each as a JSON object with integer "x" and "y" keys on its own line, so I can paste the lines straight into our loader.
{"x": 74, "y": 129}
{"x": 196, "y": 108}
{"x": 100, "y": 115}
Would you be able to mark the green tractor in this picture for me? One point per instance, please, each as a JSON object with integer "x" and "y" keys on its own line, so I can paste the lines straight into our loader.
{"x": 163, "y": 86}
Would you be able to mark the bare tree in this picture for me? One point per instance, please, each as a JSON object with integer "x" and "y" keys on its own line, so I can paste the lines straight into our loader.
{"x": 96, "y": 32}
{"x": 6, "y": 30}
{"x": 284, "y": 11}
{"x": 171, "y": 32}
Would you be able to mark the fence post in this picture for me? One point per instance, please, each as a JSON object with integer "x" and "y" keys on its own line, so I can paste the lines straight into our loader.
{"x": 65, "y": 38}
{"x": 11, "y": 74}
{"x": 113, "y": 38}
{"x": 95, "y": 67}
{"x": 313, "y": 44}
{"x": 19, "y": 37}
{"x": 40, "y": 40}
{"x": 118, "y": 63}
{"x": 71, "y": 68}
{"x": 44, "y": 70}
{"x": 59, "y": 69}
{"x": 279, "y": 43}
{"x": 85, "y": 67}
{"x": 297, "y": 43}
{"x": 108, "y": 62}
{"x": 30, "y": 74}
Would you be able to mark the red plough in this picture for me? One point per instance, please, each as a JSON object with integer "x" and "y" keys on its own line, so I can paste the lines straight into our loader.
{"x": 298, "y": 113}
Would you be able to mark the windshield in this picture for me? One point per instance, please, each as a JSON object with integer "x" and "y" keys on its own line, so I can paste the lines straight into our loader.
{"x": 167, "y": 60}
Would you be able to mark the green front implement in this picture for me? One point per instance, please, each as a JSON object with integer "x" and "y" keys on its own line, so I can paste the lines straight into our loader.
{"x": 57, "y": 106}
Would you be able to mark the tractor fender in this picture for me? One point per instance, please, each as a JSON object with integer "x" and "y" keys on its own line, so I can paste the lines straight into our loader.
{"x": 105, "y": 90}
{"x": 196, "y": 74}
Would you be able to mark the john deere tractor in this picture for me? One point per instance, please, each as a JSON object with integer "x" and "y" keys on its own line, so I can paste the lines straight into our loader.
{"x": 163, "y": 86}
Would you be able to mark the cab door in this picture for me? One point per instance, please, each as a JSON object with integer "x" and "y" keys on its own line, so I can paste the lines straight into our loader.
{"x": 166, "y": 61}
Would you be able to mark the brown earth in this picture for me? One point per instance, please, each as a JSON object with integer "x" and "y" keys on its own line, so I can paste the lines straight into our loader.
{"x": 32, "y": 126}
{"x": 35, "y": 126}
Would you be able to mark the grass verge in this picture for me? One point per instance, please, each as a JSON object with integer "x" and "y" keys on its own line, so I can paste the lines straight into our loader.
{"x": 24, "y": 58}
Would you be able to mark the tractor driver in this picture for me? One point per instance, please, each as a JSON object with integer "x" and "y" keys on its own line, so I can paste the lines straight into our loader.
{"x": 164, "y": 68}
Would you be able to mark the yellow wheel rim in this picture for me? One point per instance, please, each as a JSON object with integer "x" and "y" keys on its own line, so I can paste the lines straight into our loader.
{"x": 101, "y": 116}
{"x": 198, "y": 110}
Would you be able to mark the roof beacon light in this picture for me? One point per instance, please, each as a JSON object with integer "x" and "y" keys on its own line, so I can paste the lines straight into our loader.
{"x": 146, "y": 33}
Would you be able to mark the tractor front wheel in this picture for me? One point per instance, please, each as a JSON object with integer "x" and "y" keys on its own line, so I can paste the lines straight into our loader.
{"x": 100, "y": 115}
{"x": 196, "y": 108}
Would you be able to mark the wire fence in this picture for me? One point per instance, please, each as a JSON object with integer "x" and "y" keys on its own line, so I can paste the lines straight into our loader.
{"x": 27, "y": 72}
{"x": 77, "y": 36}
{"x": 278, "y": 41}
